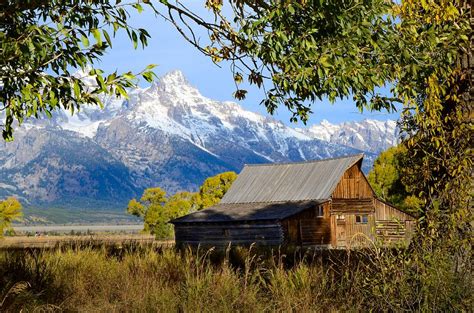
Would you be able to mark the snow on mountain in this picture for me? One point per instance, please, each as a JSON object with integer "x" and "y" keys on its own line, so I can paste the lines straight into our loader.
{"x": 166, "y": 135}
{"x": 367, "y": 135}
{"x": 172, "y": 105}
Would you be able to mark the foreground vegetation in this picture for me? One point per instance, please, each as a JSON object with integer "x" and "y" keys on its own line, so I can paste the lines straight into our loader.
{"x": 146, "y": 277}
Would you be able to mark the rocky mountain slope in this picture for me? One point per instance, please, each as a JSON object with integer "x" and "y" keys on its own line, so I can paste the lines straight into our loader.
{"x": 166, "y": 135}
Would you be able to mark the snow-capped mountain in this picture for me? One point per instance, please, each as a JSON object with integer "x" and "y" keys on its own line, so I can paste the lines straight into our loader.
{"x": 166, "y": 135}
{"x": 367, "y": 135}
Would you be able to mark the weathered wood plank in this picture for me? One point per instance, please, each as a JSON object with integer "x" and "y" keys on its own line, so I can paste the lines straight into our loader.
{"x": 221, "y": 234}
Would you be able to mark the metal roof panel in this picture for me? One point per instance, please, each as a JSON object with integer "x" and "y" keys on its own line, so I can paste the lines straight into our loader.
{"x": 289, "y": 181}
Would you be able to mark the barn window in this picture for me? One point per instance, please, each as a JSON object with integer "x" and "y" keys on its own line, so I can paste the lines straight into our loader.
{"x": 362, "y": 219}
{"x": 320, "y": 211}
{"x": 226, "y": 233}
{"x": 341, "y": 217}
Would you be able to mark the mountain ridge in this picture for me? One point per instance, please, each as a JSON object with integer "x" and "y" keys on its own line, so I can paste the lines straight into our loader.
{"x": 167, "y": 135}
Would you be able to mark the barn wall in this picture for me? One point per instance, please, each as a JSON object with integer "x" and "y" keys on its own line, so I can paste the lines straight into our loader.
{"x": 353, "y": 185}
{"x": 221, "y": 234}
{"x": 345, "y": 230}
{"x": 352, "y": 196}
{"x": 385, "y": 223}
{"x": 348, "y": 206}
{"x": 359, "y": 234}
{"x": 384, "y": 211}
{"x": 307, "y": 228}
{"x": 392, "y": 225}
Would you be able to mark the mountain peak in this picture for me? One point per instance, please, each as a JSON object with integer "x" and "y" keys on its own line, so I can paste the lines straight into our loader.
{"x": 325, "y": 122}
{"x": 174, "y": 77}
{"x": 174, "y": 83}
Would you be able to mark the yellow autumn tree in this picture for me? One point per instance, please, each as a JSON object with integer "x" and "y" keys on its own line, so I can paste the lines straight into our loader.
{"x": 214, "y": 188}
{"x": 10, "y": 210}
{"x": 156, "y": 209}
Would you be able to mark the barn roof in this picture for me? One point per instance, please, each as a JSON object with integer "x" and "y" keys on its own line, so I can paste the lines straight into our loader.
{"x": 276, "y": 191}
{"x": 289, "y": 181}
{"x": 230, "y": 212}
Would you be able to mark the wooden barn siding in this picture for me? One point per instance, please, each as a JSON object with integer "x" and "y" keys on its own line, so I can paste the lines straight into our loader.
{"x": 352, "y": 206}
{"x": 353, "y": 185}
{"x": 221, "y": 234}
{"x": 352, "y": 195}
{"x": 354, "y": 234}
{"x": 359, "y": 234}
{"x": 384, "y": 211}
{"x": 392, "y": 225}
{"x": 307, "y": 228}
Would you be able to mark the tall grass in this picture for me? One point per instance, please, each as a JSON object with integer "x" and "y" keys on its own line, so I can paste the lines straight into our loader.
{"x": 146, "y": 278}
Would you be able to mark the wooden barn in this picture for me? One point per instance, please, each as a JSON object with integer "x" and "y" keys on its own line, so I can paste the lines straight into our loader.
{"x": 326, "y": 203}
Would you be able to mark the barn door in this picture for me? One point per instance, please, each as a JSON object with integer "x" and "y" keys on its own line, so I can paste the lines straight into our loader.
{"x": 340, "y": 231}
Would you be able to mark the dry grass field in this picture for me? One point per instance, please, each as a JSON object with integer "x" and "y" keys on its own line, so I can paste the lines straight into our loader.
{"x": 139, "y": 274}
{"x": 52, "y": 241}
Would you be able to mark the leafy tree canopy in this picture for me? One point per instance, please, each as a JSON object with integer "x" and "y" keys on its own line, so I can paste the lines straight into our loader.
{"x": 214, "y": 188}
{"x": 156, "y": 209}
{"x": 10, "y": 210}
{"x": 386, "y": 178}
{"x": 302, "y": 51}
{"x": 42, "y": 41}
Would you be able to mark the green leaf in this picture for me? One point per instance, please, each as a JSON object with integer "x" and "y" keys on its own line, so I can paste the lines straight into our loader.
{"x": 77, "y": 90}
{"x": 129, "y": 76}
{"x": 121, "y": 91}
{"x": 116, "y": 26}
{"x": 148, "y": 76}
{"x": 85, "y": 41}
{"x": 107, "y": 37}
{"x": 134, "y": 39}
{"x": 97, "y": 36}
{"x": 324, "y": 62}
{"x": 138, "y": 7}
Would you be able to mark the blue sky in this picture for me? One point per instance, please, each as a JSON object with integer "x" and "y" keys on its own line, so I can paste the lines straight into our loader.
{"x": 170, "y": 51}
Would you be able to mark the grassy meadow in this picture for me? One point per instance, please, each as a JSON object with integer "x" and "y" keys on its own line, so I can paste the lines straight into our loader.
{"x": 150, "y": 277}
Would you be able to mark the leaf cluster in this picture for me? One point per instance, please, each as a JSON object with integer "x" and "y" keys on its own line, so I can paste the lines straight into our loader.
{"x": 300, "y": 52}
{"x": 42, "y": 41}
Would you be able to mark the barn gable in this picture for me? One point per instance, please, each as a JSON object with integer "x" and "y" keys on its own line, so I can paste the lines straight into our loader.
{"x": 353, "y": 184}
{"x": 312, "y": 180}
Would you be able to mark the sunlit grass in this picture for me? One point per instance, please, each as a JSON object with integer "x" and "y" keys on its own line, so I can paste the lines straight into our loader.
{"x": 149, "y": 278}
